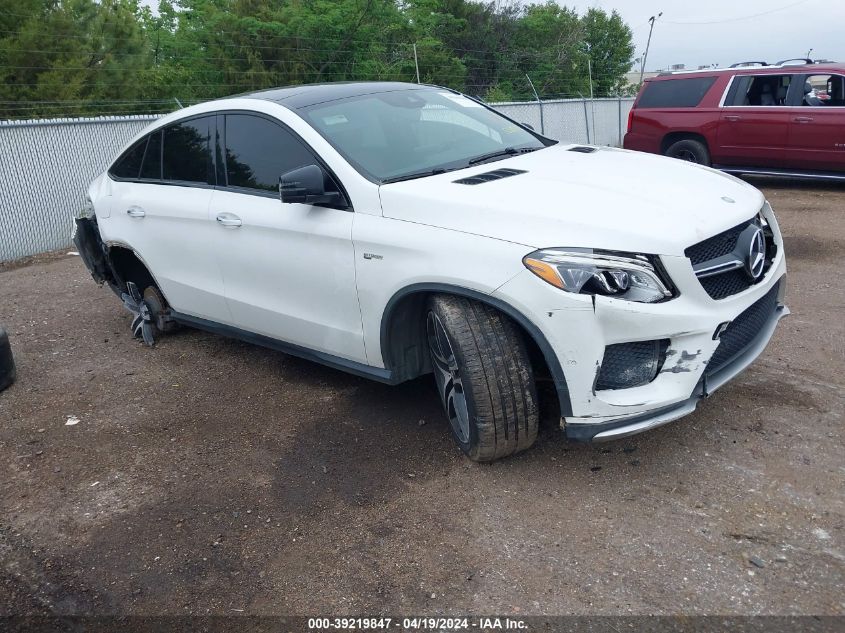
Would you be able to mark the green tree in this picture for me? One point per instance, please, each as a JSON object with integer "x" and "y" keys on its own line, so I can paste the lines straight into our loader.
{"x": 101, "y": 56}
{"x": 609, "y": 44}
{"x": 78, "y": 50}
{"x": 546, "y": 46}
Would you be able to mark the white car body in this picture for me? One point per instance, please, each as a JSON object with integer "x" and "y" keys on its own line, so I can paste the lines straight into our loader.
{"x": 322, "y": 282}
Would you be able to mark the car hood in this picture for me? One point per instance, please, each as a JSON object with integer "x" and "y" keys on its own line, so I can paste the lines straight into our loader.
{"x": 608, "y": 198}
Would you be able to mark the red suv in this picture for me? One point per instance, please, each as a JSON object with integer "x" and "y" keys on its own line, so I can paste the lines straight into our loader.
{"x": 752, "y": 118}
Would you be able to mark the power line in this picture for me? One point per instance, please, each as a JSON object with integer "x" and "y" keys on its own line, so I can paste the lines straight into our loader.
{"x": 164, "y": 53}
{"x": 372, "y": 42}
{"x": 745, "y": 17}
{"x": 139, "y": 72}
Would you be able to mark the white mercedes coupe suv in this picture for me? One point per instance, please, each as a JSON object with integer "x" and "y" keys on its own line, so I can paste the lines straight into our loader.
{"x": 393, "y": 230}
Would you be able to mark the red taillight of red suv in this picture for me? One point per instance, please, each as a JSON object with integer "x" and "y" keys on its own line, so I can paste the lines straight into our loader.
{"x": 630, "y": 118}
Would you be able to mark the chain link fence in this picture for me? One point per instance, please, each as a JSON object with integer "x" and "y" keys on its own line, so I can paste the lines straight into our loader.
{"x": 45, "y": 170}
{"x": 46, "y": 165}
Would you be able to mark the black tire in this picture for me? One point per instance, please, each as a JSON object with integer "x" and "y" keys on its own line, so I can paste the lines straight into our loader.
{"x": 7, "y": 362}
{"x": 487, "y": 369}
{"x": 689, "y": 150}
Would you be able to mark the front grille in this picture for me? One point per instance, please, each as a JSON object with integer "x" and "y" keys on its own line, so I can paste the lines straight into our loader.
{"x": 715, "y": 246}
{"x": 743, "y": 330}
{"x": 628, "y": 365}
{"x": 725, "y": 244}
{"x": 726, "y": 284}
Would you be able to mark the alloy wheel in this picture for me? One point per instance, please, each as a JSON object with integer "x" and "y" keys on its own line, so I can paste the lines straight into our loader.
{"x": 447, "y": 375}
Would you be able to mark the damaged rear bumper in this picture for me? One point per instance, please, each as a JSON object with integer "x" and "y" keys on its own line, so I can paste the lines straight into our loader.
{"x": 605, "y": 429}
{"x": 89, "y": 244}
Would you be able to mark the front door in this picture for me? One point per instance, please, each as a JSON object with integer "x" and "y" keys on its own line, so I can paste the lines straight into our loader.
{"x": 288, "y": 269}
{"x": 817, "y": 126}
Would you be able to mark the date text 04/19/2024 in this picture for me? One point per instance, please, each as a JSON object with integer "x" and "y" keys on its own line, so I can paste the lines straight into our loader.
{"x": 316, "y": 625}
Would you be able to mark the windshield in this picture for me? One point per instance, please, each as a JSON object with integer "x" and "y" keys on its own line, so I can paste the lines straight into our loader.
{"x": 403, "y": 134}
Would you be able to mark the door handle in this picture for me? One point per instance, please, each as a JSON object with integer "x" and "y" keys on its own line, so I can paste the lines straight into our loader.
{"x": 135, "y": 212}
{"x": 803, "y": 119}
{"x": 229, "y": 220}
{"x": 732, "y": 117}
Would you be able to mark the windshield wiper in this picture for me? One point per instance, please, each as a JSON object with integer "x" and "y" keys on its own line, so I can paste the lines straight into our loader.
{"x": 416, "y": 174}
{"x": 508, "y": 151}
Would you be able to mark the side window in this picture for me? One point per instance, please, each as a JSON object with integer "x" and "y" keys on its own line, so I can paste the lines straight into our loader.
{"x": 129, "y": 164}
{"x": 258, "y": 151}
{"x": 824, "y": 90}
{"x": 151, "y": 169}
{"x": 759, "y": 90}
{"x": 186, "y": 156}
{"x": 675, "y": 93}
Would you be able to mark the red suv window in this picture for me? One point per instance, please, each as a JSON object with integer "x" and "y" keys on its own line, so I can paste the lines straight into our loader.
{"x": 824, "y": 90}
{"x": 675, "y": 93}
{"x": 759, "y": 90}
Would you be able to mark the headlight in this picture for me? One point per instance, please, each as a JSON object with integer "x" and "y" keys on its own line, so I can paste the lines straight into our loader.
{"x": 628, "y": 277}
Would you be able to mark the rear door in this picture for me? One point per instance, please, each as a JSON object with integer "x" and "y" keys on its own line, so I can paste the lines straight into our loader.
{"x": 817, "y": 124}
{"x": 754, "y": 123}
{"x": 160, "y": 209}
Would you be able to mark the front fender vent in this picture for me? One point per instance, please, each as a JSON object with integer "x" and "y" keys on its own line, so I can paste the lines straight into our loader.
{"x": 489, "y": 176}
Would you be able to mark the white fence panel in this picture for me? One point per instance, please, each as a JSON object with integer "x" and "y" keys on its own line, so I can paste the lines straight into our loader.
{"x": 596, "y": 121}
{"x": 45, "y": 169}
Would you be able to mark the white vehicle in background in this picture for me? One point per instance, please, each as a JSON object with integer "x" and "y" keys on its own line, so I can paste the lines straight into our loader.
{"x": 394, "y": 230}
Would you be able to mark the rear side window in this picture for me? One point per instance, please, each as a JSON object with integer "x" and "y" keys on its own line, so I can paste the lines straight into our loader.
{"x": 128, "y": 165}
{"x": 151, "y": 169}
{"x": 187, "y": 151}
{"x": 675, "y": 93}
{"x": 258, "y": 151}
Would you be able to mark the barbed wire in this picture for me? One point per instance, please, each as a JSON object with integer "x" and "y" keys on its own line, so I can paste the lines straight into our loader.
{"x": 408, "y": 53}
{"x": 88, "y": 38}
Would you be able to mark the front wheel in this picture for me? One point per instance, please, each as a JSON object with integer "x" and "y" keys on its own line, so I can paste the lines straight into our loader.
{"x": 483, "y": 376}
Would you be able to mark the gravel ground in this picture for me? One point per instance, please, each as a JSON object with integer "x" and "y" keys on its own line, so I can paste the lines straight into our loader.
{"x": 210, "y": 476}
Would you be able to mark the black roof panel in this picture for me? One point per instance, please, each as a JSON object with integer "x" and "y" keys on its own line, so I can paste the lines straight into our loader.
{"x": 295, "y": 97}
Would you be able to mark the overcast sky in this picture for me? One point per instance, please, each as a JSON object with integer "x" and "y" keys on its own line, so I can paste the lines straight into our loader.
{"x": 735, "y": 30}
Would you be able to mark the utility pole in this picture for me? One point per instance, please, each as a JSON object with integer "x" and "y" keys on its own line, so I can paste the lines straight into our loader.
{"x": 416, "y": 62}
{"x": 652, "y": 19}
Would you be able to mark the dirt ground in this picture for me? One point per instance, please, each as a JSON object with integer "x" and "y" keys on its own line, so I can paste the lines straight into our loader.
{"x": 208, "y": 476}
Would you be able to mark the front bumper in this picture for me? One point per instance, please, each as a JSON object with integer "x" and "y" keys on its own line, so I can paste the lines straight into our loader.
{"x": 578, "y": 328}
{"x": 589, "y": 430}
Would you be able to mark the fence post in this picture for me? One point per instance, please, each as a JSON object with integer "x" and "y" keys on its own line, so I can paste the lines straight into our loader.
{"x": 619, "y": 120}
{"x": 586, "y": 121}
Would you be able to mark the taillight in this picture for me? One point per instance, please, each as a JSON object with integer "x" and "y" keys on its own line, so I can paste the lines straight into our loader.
{"x": 630, "y": 118}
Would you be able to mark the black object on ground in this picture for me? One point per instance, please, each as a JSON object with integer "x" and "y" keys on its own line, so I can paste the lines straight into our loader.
{"x": 7, "y": 363}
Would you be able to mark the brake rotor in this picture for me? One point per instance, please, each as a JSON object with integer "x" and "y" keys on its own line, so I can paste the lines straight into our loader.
{"x": 159, "y": 310}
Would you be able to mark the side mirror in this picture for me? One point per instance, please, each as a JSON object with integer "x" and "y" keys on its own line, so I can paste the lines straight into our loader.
{"x": 528, "y": 125}
{"x": 306, "y": 185}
